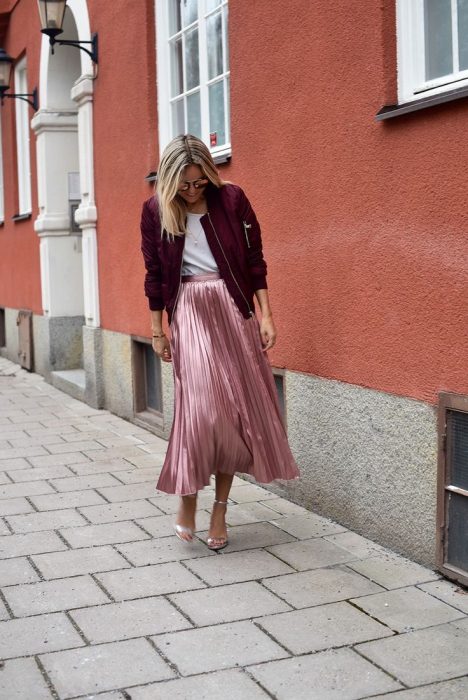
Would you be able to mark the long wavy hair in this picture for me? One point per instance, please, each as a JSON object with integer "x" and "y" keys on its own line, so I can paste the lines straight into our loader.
{"x": 182, "y": 151}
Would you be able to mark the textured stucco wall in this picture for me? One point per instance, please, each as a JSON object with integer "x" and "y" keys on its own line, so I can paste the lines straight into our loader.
{"x": 367, "y": 459}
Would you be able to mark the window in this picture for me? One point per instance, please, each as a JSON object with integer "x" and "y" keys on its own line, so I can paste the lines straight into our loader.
{"x": 193, "y": 72}
{"x": 147, "y": 382}
{"x": 432, "y": 40}
{"x": 22, "y": 140}
{"x": 452, "y": 501}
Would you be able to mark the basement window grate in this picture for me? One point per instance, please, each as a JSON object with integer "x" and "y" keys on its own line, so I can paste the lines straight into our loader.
{"x": 147, "y": 383}
{"x": 452, "y": 506}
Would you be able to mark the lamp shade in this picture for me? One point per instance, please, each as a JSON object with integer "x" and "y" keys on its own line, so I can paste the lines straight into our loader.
{"x": 51, "y": 13}
{"x": 5, "y": 70}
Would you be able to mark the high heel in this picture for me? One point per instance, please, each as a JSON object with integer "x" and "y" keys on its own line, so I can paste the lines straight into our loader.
{"x": 217, "y": 543}
{"x": 183, "y": 529}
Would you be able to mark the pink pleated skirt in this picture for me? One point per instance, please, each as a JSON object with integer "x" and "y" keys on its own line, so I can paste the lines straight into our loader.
{"x": 227, "y": 416}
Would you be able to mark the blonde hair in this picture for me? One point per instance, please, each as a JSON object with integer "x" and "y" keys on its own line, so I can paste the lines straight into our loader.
{"x": 182, "y": 151}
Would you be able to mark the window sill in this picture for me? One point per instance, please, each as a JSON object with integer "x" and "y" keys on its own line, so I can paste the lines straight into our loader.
{"x": 390, "y": 111}
{"x": 21, "y": 217}
{"x": 220, "y": 158}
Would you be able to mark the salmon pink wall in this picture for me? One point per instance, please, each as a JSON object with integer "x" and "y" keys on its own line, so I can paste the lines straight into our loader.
{"x": 20, "y": 280}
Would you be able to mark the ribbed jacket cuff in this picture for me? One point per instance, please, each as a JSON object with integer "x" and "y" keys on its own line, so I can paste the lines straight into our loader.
{"x": 155, "y": 303}
{"x": 259, "y": 282}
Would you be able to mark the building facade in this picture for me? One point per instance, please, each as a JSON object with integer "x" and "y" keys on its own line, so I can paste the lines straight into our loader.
{"x": 346, "y": 128}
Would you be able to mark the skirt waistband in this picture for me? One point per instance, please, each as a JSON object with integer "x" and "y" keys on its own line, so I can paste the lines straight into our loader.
{"x": 201, "y": 278}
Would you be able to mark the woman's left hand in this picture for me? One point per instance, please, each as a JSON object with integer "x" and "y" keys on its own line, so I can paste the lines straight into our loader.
{"x": 267, "y": 332}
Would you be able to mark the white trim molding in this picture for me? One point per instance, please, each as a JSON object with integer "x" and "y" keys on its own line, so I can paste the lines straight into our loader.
{"x": 22, "y": 139}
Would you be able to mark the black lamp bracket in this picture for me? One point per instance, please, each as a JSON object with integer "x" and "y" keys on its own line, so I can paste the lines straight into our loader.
{"x": 93, "y": 53}
{"x": 25, "y": 97}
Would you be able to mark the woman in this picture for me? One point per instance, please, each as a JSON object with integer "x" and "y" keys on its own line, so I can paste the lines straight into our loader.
{"x": 202, "y": 247}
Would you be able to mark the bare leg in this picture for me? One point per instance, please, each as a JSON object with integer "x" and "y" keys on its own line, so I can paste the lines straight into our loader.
{"x": 186, "y": 515}
{"x": 218, "y": 514}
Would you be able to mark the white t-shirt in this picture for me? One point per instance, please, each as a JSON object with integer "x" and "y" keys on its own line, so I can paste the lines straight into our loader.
{"x": 198, "y": 258}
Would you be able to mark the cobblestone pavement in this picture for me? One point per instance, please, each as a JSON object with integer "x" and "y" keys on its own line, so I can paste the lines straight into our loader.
{"x": 99, "y": 599}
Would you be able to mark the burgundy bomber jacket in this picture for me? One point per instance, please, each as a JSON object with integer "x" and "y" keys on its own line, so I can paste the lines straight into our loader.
{"x": 234, "y": 237}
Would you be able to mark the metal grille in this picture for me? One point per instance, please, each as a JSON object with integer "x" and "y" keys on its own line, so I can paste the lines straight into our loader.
{"x": 457, "y": 549}
{"x": 457, "y": 442}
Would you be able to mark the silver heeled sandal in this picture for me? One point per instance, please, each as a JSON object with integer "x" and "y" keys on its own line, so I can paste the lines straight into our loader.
{"x": 217, "y": 543}
{"x": 183, "y": 529}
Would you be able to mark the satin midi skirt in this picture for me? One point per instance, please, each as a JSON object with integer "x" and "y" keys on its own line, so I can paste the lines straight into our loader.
{"x": 227, "y": 416}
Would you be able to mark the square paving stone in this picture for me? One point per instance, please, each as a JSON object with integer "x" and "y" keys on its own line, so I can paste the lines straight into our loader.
{"x": 45, "y": 520}
{"x": 20, "y": 679}
{"x": 237, "y": 601}
{"x": 250, "y": 492}
{"x": 52, "y": 460}
{"x": 253, "y": 536}
{"x": 105, "y": 667}
{"x": 225, "y": 685}
{"x": 140, "y": 476}
{"x": 238, "y": 566}
{"x": 311, "y": 554}
{"x": 91, "y": 481}
{"x": 128, "y": 492}
{"x": 111, "y": 465}
{"x": 393, "y": 571}
{"x": 71, "y": 499}
{"x": 33, "y": 635}
{"x": 450, "y": 593}
{"x": 456, "y": 689}
{"x": 285, "y": 507}
{"x": 319, "y": 586}
{"x": 143, "y": 581}
{"x": 218, "y": 647}
{"x": 79, "y": 561}
{"x": 21, "y": 475}
{"x": 162, "y": 550}
{"x": 54, "y": 596}
{"x": 19, "y": 570}
{"x": 116, "y": 512}
{"x": 356, "y": 544}
{"x": 424, "y": 656}
{"x": 30, "y": 543}
{"x": 306, "y": 526}
{"x": 132, "y": 618}
{"x": 107, "y": 533}
{"x": 30, "y": 488}
{"x": 14, "y": 506}
{"x": 252, "y": 512}
{"x": 322, "y": 627}
{"x": 408, "y": 608}
{"x": 338, "y": 674}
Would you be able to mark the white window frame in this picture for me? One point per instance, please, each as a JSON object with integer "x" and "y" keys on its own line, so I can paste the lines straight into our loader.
{"x": 412, "y": 84}
{"x": 22, "y": 139}
{"x": 219, "y": 153}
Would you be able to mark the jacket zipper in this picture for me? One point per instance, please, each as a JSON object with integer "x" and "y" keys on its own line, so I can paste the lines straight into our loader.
{"x": 246, "y": 226}
{"x": 240, "y": 290}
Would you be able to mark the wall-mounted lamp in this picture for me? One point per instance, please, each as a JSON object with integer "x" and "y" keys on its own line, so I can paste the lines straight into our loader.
{"x": 5, "y": 72}
{"x": 52, "y": 13}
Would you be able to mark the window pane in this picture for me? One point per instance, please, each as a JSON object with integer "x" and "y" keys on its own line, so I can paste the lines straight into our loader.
{"x": 457, "y": 439}
{"x": 177, "y": 79}
{"x": 175, "y": 24}
{"x": 438, "y": 38}
{"x": 457, "y": 550}
{"x": 153, "y": 379}
{"x": 192, "y": 73}
{"x": 211, "y": 4}
{"x": 214, "y": 39}
{"x": 193, "y": 114}
{"x": 463, "y": 34}
{"x": 216, "y": 93}
{"x": 189, "y": 11}
{"x": 178, "y": 122}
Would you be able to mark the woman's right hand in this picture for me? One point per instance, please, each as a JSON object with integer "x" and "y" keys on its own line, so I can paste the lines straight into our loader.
{"x": 162, "y": 348}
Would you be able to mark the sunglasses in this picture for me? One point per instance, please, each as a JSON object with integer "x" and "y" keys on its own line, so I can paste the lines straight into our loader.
{"x": 198, "y": 184}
